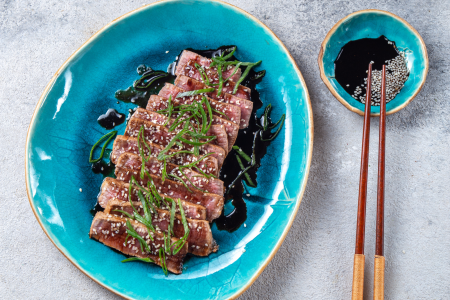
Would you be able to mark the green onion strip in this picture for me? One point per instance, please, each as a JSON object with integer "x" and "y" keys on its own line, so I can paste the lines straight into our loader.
{"x": 108, "y": 138}
{"x": 221, "y": 63}
{"x": 169, "y": 111}
{"x": 283, "y": 117}
{"x": 219, "y": 72}
{"x": 195, "y": 92}
{"x": 244, "y": 75}
{"x": 146, "y": 259}
{"x": 162, "y": 260}
{"x": 178, "y": 245}
{"x": 242, "y": 153}
{"x": 249, "y": 180}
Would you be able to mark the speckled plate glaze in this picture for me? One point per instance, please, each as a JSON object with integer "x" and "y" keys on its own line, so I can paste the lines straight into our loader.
{"x": 64, "y": 128}
{"x": 372, "y": 23}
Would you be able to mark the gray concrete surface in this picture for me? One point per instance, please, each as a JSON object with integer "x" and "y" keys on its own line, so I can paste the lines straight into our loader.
{"x": 315, "y": 261}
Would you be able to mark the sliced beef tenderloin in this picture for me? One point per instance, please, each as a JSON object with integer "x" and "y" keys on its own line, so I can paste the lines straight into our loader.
{"x": 160, "y": 135}
{"x": 111, "y": 231}
{"x": 230, "y": 111}
{"x": 217, "y": 130}
{"x": 212, "y": 202}
{"x": 116, "y": 189}
{"x": 187, "y": 56}
{"x": 200, "y": 239}
{"x": 190, "y": 70}
{"x": 127, "y": 144}
{"x": 155, "y": 167}
{"x": 156, "y": 103}
{"x": 246, "y": 106}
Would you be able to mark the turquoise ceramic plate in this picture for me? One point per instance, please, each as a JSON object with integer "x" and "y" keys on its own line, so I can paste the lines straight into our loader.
{"x": 64, "y": 128}
{"x": 372, "y": 23}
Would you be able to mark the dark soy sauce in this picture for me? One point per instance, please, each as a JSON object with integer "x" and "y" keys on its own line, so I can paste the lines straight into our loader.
{"x": 111, "y": 119}
{"x": 249, "y": 140}
{"x": 353, "y": 60}
{"x": 138, "y": 95}
{"x": 102, "y": 167}
{"x": 107, "y": 170}
{"x": 96, "y": 209}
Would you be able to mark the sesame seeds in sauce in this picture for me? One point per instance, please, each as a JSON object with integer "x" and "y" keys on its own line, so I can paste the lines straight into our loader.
{"x": 353, "y": 60}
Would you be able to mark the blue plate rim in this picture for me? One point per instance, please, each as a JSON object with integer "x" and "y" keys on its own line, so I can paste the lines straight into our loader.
{"x": 91, "y": 39}
{"x": 330, "y": 86}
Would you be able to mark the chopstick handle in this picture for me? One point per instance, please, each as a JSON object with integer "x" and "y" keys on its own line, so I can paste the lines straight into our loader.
{"x": 358, "y": 277}
{"x": 378, "y": 279}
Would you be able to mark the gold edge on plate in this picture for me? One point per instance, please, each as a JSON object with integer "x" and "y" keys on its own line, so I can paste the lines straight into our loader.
{"x": 309, "y": 157}
{"x": 328, "y": 83}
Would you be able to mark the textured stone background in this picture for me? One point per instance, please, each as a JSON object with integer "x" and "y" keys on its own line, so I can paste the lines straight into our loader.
{"x": 315, "y": 261}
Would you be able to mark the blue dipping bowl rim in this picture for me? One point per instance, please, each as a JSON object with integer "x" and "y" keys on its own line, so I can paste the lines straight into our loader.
{"x": 333, "y": 90}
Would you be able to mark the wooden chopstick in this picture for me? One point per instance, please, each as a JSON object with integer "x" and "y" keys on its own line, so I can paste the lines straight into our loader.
{"x": 358, "y": 264}
{"x": 378, "y": 287}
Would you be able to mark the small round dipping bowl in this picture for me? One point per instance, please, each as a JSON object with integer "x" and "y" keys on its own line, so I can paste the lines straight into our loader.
{"x": 371, "y": 24}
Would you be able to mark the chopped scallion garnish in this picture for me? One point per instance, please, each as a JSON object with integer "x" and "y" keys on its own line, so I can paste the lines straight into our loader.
{"x": 242, "y": 153}
{"x": 124, "y": 213}
{"x": 219, "y": 72}
{"x": 194, "y": 143}
{"x": 283, "y": 117}
{"x": 236, "y": 68}
{"x": 220, "y": 113}
{"x": 247, "y": 70}
{"x": 132, "y": 232}
{"x": 108, "y": 138}
{"x": 239, "y": 176}
{"x": 172, "y": 142}
{"x": 195, "y": 92}
{"x": 169, "y": 111}
{"x": 180, "y": 243}
{"x": 172, "y": 215}
{"x": 249, "y": 180}
{"x": 181, "y": 180}
{"x": 202, "y": 73}
{"x": 229, "y": 55}
{"x": 162, "y": 260}
{"x": 208, "y": 107}
{"x": 146, "y": 259}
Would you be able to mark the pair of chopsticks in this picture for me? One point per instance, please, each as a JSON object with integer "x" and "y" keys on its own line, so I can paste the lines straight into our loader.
{"x": 358, "y": 265}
